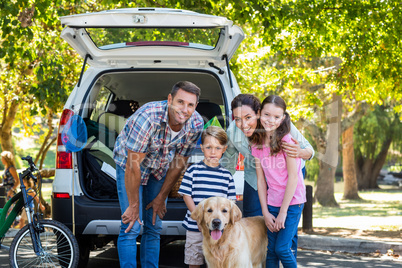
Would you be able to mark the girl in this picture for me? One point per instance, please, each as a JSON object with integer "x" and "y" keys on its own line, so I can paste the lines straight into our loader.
{"x": 10, "y": 176}
{"x": 31, "y": 197}
{"x": 281, "y": 188}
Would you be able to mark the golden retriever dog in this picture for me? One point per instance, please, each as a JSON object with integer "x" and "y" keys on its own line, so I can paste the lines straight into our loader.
{"x": 228, "y": 239}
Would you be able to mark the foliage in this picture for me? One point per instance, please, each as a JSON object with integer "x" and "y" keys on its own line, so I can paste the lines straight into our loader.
{"x": 373, "y": 129}
{"x": 288, "y": 45}
{"x": 303, "y": 50}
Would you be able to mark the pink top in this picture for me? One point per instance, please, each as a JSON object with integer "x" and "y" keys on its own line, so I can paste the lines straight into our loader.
{"x": 276, "y": 174}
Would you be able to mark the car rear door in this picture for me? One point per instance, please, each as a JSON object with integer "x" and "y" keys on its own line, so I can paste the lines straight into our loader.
{"x": 131, "y": 37}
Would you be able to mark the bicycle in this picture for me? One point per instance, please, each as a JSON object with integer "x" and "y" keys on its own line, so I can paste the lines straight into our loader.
{"x": 40, "y": 243}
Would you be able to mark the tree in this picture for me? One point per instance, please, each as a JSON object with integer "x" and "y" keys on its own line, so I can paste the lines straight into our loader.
{"x": 308, "y": 51}
{"x": 305, "y": 51}
{"x": 36, "y": 77}
{"x": 375, "y": 133}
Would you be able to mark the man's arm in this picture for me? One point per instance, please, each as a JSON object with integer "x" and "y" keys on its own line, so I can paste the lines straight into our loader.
{"x": 132, "y": 182}
{"x": 176, "y": 167}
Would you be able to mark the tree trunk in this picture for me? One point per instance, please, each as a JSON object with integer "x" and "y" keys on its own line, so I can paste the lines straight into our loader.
{"x": 324, "y": 192}
{"x": 47, "y": 173}
{"x": 45, "y": 146}
{"x": 368, "y": 170}
{"x": 45, "y": 152}
{"x": 350, "y": 190}
{"x": 8, "y": 119}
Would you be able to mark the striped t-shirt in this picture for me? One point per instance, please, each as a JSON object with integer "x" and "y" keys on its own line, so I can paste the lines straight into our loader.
{"x": 200, "y": 182}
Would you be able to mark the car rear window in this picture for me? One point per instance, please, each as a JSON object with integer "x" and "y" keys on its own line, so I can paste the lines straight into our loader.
{"x": 114, "y": 38}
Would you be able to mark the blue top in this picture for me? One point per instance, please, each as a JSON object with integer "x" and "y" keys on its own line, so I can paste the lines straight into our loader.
{"x": 8, "y": 179}
{"x": 200, "y": 182}
{"x": 238, "y": 143}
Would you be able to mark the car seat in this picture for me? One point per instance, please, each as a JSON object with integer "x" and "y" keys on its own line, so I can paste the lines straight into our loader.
{"x": 208, "y": 110}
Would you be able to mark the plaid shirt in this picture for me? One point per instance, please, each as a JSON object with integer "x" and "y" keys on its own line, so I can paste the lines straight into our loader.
{"x": 147, "y": 131}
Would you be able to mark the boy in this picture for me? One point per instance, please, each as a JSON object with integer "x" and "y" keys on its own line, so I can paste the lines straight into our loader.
{"x": 203, "y": 180}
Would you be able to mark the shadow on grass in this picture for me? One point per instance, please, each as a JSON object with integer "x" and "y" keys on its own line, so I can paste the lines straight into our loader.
{"x": 375, "y": 235}
{"x": 375, "y": 203}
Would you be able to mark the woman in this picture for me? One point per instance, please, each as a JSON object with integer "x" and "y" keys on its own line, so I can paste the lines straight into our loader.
{"x": 10, "y": 176}
{"x": 245, "y": 109}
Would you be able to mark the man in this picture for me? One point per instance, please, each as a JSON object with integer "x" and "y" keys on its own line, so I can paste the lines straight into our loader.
{"x": 151, "y": 152}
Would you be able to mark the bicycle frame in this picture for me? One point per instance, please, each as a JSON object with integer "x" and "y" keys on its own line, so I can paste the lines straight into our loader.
{"x": 20, "y": 200}
{"x": 6, "y": 221}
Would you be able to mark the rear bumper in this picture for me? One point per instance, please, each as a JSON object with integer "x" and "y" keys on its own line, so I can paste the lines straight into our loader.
{"x": 94, "y": 217}
{"x": 103, "y": 218}
{"x": 110, "y": 227}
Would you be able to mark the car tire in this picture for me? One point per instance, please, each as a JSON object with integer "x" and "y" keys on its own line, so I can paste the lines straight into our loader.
{"x": 85, "y": 248}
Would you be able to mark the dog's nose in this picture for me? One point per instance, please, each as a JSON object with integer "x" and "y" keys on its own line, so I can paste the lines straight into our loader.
{"x": 216, "y": 223}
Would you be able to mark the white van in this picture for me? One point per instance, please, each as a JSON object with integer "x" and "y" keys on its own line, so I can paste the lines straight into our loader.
{"x": 135, "y": 56}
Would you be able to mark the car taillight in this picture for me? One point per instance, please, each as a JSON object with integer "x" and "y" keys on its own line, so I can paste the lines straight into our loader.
{"x": 61, "y": 195}
{"x": 63, "y": 158}
{"x": 240, "y": 163}
{"x": 239, "y": 197}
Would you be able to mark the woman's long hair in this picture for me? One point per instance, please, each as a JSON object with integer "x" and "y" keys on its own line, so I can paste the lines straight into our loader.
{"x": 9, "y": 158}
{"x": 259, "y": 136}
{"x": 246, "y": 99}
{"x": 251, "y": 101}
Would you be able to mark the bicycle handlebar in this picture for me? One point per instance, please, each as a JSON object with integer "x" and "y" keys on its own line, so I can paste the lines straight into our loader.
{"x": 30, "y": 162}
{"x": 31, "y": 168}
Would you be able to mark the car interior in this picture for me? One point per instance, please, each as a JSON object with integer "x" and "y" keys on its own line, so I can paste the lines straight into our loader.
{"x": 115, "y": 96}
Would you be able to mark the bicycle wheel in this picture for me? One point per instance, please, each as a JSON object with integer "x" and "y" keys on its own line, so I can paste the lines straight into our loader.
{"x": 60, "y": 248}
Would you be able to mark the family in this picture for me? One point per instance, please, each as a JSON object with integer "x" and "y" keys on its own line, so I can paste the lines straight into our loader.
{"x": 152, "y": 151}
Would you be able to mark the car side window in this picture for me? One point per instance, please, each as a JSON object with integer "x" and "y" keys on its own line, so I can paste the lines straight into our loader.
{"x": 102, "y": 100}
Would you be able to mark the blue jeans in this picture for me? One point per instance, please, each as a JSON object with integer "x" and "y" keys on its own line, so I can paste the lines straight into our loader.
{"x": 251, "y": 202}
{"x": 252, "y": 207}
{"x": 280, "y": 243}
{"x": 150, "y": 239}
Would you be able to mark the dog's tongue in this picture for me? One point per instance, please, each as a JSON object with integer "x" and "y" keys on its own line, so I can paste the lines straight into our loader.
{"x": 216, "y": 234}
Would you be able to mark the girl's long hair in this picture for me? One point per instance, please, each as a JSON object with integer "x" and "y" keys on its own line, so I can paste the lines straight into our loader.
{"x": 259, "y": 136}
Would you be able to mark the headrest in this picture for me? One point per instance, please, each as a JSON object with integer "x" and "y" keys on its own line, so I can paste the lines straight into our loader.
{"x": 123, "y": 108}
{"x": 208, "y": 110}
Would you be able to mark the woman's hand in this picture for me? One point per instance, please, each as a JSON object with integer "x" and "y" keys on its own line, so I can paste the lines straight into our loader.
{"x": 10, "y": 193}
{"x": 292, "y": 150}
{"x": 42, "y": 207}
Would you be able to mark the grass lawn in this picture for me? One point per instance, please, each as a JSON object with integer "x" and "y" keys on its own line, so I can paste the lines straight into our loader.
{"x": 379, "y": 209}
{"x": 47, "y": 191}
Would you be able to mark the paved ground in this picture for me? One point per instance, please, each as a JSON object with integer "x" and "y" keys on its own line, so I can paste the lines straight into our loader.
{"x": 333, "y": 243}
{"x": 173, "y": 254}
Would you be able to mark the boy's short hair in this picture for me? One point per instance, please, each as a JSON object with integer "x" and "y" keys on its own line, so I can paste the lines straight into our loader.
{"x": 216, "y": 132}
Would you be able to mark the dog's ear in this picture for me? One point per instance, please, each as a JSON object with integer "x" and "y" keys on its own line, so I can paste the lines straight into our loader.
{"x": 198, "y": 212}
{"x": 235, "y": 212}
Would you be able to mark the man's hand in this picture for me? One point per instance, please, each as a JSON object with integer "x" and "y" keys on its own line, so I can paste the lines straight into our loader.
{"x": 131, "y": 215}
{"x": 158, "y": 206}
{"x": 292, "y": 150}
